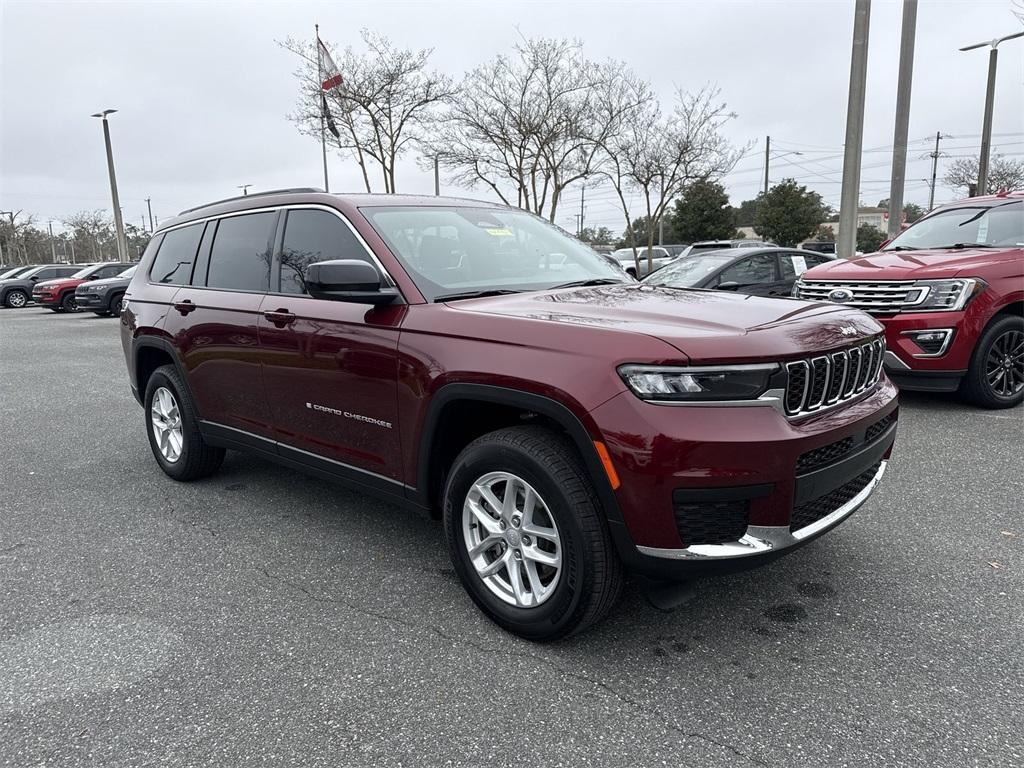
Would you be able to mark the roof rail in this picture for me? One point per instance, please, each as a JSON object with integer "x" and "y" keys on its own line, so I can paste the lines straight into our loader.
{"x": 254, "y": 194}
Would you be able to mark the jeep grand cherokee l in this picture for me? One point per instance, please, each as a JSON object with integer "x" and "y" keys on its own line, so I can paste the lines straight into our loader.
{"x": 472, "y": 361}
{"x": 950, "y": 292}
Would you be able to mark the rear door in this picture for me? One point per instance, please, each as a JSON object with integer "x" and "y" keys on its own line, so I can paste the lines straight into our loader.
{"x": 215, "y": 321}
{"x": 756, "y": 275}
{"x": 331, "y": 367}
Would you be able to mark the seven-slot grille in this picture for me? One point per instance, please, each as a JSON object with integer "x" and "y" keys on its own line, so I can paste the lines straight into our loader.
{"x": 875, "y": 296}
{"x": 823, "y": 381}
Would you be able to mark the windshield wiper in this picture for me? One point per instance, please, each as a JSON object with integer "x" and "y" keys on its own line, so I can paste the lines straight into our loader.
{"x": 961, "y": 246}
{"x": 473, "y": 294}
{"x": 592, "y": 281}
{"x": 901, "y": 248}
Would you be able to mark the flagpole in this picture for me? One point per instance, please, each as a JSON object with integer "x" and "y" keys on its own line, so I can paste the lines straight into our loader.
{"x": 320, "y": 93}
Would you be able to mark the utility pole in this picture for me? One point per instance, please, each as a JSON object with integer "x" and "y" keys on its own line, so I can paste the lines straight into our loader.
{"x": 583, "y": 193}
{"x": 767, "y": 150}
{"x": 990, "y": 94}
{"x": 122, "y": 245}
{"x": 150, "y": 209}
{"x": 846, "y": 239}
{"x": 53, "y": 245}
{"x": 935, "y": 168}
{"x": 437, "y": 177}
{"x": 899, "y": 153}
{"x": 661, "y": 220}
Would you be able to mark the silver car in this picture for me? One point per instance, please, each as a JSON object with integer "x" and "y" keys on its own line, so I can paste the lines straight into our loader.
{"x": 626, "y": 259}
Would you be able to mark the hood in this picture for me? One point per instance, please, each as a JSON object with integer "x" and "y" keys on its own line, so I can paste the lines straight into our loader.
{"x": 63, "y": 282}
{"x": 914, "y": 265}
{"x": 706, "y": 326}
{"x": 107, "y": 282}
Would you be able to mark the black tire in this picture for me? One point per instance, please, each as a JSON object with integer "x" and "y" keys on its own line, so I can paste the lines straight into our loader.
{"x": 68, "y": 303}
{"x": 976, "y": 387}
{"x": 114, "y": 308}
{"x": 197, "y": 458}
{"x": 591, "y": 573}
{"x": 16, "y": 299}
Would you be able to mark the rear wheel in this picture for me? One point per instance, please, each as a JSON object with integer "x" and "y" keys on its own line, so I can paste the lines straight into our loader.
{"x": 16, "y": 299}
{"x": 173, "y": 428}
{"x": 995, "y": 378}
{"x": 526, "y": 534}
{"x": 68, "y": 303}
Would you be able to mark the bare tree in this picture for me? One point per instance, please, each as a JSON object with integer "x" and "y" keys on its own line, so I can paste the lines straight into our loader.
{"x": 91, "y": 233}
{"x": 654, "y": 158}
{"x": 385, "y": 103}
{"x": 1002, "y": 174}
{"x": 526, "y": 126}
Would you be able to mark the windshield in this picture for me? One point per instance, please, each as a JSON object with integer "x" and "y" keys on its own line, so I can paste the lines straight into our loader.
{"x": 85, "y": 272}
{"x": 994, "y": 226}
{"x": 14, "y": 272}
{"x": 128, "y": 272}
{"x": 469, "y": 250}
{"x": 687, "y": 271}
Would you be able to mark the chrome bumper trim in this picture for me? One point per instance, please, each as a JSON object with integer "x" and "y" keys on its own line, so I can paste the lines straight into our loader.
{"x": 761, "y": 539}
{"x": 891, "y": 361}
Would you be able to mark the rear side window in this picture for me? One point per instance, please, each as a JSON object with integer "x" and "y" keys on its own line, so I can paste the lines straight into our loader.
{"x": 110, "y": 270}
{"x": 751, "y": 271}
{"x": 312, "y": 236}
{"x": 173, "y": 263}
{"x": 240, "y": 257}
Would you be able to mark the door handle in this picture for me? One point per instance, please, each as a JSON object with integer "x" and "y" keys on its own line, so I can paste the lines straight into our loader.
{"x": 280, "y": 317}
{"x": 184, "y": 306}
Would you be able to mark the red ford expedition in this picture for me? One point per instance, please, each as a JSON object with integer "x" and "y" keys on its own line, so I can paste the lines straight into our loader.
{"x": 474, "y": 362}
{"x": 59, "y": 295}
{"x": 950, "y": 292}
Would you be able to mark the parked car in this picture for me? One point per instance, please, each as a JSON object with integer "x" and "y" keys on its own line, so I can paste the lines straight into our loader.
{"x": 10, "y": 272}
{"x": 819, "y": 246}
{"x": 625, "y": 256}
{"x": 676, "y": 249}
{"x": 104, "y": 297}
{"x": 566, "y": 426}
{"x": 950, "y": 292}
{"x": 718, "y": 245}
{"x": 16, "y": 291}
{"x": 751, "y": 271}
{"x": 59, "y": 294}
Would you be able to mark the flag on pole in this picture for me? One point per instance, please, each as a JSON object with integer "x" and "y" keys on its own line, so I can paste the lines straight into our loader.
{"x": 329, "y": 74}
{"x": 327, "y": 116}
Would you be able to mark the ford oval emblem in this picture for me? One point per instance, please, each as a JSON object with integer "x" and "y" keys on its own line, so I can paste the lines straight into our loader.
{"x": 840, "y": 295}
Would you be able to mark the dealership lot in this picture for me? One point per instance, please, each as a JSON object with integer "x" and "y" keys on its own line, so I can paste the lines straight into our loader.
{"x": 265, "y": 617}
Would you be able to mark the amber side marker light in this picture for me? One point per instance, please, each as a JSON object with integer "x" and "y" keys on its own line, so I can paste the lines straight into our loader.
{"x": 609, "y": 468}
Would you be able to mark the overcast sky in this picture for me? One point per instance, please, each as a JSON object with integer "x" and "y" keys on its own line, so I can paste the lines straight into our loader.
{"x": 202, "y": 89}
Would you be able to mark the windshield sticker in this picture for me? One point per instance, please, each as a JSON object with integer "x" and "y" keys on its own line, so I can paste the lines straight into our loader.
{"x": 499, "y": 232}
{"x": 799, "y": 264}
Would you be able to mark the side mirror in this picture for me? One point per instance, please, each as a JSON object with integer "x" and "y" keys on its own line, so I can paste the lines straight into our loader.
{"x": 728, "y": 286}
{"x": 347, "y": 280}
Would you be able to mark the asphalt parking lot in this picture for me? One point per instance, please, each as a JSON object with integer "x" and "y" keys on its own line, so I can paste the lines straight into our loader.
{"x": 266, "y": 618}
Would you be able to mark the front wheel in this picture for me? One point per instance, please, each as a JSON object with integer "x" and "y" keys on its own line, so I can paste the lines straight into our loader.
{"x": 115, "y": 305}
{"x": 527, "y": 536}
{"x": 173, "y": 428}
{"x": 995, "y": 378}
{"x": 68, "y": 303}
{"x": 16, "y": 299}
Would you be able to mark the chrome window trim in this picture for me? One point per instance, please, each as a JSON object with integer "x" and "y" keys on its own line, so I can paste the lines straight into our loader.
{"x": 950, "y": 333}
{"x": 269, "y": 209}
{"x": 761, "y": 539}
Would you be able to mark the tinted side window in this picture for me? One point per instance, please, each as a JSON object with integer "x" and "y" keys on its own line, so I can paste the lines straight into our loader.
{"x": 46, "y": 274}
{"x": 110, "y": 271}
{"x": 312, "y": 236}
{"x": 66, "y": 271}
{"x": 240, "y": 257}
{"x": 755, "y": 269}
{"x": 173, "y": 263}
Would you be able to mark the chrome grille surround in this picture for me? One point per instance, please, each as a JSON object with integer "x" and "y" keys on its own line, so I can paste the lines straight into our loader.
{"x": 819, "y": 383}
{"x": 878, "y": 296}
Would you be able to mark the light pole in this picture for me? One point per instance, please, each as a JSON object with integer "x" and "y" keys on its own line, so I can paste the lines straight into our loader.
{"x": 990, "y": 93}
{"x": 846, "y": 241}
{"x": 122, "y": 246}
{"x": 899, "y": 152}
{"x": 245, "y": 189}
{"x": 53, "y": 245}
{"x": 767, "y": 161}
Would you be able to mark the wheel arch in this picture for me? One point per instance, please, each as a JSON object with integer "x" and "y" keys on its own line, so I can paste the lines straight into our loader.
{"x": 438, "y": 447}
{"x": 151, "y": 352}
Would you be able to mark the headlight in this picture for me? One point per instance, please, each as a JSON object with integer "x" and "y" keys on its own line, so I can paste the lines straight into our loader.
{"x": 949, "y": 295}
{"x": 696, "y": 383}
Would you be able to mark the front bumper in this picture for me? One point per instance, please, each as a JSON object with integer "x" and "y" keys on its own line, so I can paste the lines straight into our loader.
{"x": 91, "y": 300}
{"x": 781, "y": 482}
{"x": 46, "y": 299}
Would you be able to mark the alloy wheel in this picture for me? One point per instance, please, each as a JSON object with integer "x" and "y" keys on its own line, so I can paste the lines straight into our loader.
{"x": 17, "y": 299}
{"x": 166, "y": 419}
{"x": 1004, "y": 366}
{"x": 512, "y": 539}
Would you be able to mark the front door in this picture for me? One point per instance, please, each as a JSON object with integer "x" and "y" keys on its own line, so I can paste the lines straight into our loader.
{"x": 330, "y": 367}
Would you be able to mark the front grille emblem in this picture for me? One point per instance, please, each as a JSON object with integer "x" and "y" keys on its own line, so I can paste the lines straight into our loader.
{"x": 840, "y": 295}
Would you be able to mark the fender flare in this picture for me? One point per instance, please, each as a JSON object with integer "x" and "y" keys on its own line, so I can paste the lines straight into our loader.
{"x": 158, "y": 342}
{"x": 546, "y": 406}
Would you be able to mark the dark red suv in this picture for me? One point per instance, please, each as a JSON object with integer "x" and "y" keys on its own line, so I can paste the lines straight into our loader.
{"x": 473, "y": 361}
{"x": 950, "y": 292}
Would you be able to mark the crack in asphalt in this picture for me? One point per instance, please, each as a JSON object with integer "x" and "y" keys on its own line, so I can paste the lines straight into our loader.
{"x": 641, "y": 706}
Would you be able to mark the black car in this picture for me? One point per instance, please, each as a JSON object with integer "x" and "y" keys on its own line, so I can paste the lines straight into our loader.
{"x": 104, "y": 297}
{"x": 16, "y": 291}
{"x": 754, "y": 271}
